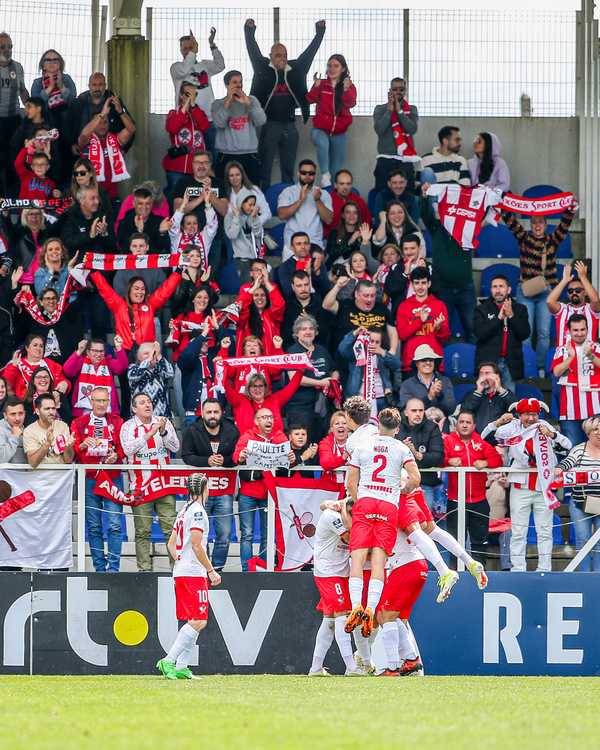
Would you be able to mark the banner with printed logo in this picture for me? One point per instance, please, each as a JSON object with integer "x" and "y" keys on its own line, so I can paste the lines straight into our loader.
{"x": 35, "y": 518}
{"x": 297, "y": 511}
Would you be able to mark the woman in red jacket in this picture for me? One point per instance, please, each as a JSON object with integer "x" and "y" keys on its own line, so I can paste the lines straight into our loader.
{"x": 134, "y": 315}
{"x": 332, "y": 449}
{"x": 334, "y": 96}
{"x": 19, "y": 371}
{"x": 186, "y": 126}
{"x": 258, "y": 395}
{"x": 261, "y": 312}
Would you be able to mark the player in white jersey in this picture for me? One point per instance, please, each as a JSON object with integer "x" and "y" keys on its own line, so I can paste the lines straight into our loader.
{"x": 331, "y": 570}
{"x": 187, "y": 547}
{"x": 405, "y": 581}
{"x": 374, "y": 483}
{"x": 358, "y": 416}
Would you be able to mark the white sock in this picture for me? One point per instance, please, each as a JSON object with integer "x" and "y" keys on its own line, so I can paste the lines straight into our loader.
{"x": 373, "y": 636}
{"x": 323, "y": 642}
{"x": 186, "y": 638}
{"x": 363, "y": 646}
{"x": 374, "y": 594}
{"x": 344, "y": 642}
{"x": 390, "y": 641}
{"x": 427, "y": 547}
{"x": 405, "y": 645}
{"x": 355, "y": 586}
{"x": 184, "y": 659}
{"x": 449, "y": 542}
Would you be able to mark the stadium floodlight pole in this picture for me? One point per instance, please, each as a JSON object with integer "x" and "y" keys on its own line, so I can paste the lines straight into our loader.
{"x": 462, "y": 497}
{"x": 270, "y": 534}
{"x": 80, "y": 520}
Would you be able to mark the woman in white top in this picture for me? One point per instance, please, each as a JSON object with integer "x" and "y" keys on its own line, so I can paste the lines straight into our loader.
{"x": 238, "y": 187}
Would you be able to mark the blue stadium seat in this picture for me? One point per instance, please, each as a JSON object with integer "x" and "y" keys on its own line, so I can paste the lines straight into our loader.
{"x": 371, "y": 200}
{"x": 461, "y": 390}
{"x": 272, "y": 194}
{"x": 456, "y": 327}
{"x": 526, "y": 390}
{"x": 465, "y": 365}
{"x": 497, "y": 242}
{"x": 156, "y": 535}
{"x": 549, "y": 358}
{"x": 541, "y": 191}
{"x": 229, "y": 280}
{"x": 530, "y": 369}
{"x": 564, "y": 250}
{"x": 557, "y": 537}
{"x": 276, "y": 233}
{"x": 506, "y": 269}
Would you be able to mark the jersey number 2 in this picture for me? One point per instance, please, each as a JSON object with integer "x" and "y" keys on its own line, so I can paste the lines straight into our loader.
{"x": 380, "y": 459}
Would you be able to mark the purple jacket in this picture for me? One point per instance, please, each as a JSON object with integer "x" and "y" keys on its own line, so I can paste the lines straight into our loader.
{"x": 500, "y": 177}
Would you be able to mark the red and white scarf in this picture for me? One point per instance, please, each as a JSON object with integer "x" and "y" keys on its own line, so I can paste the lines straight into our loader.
{"x": 405, "y": 145}
{"x": 574, "y": 477}
{"x": 102, "y": 432}
{"x": 59, "y": 205}
{"x": 181, "y": 326}
{"x": 115, "y": 158}
{"x": 334, "y": 392}
{"x": 550, "y": 204}
{"x": 366, "y": 360}
{"x": 93, "y": 377}
{"x": 582, "y": 373}
{"x": 279, "y": 362}
{"x": 188, "y": 242}
{"x": 101, "y": 262}
{"x": 25, "y": 299}
{"x": 55, "y": 97}
{"x": 154, "y": 453}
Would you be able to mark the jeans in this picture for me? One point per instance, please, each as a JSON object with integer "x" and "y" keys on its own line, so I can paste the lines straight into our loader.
{"x": 247, "y": 504}
{"x": 539, "y": 320}
{"x": 220, "y": 513}
{"x": 331, "y": 150}
{"x": 571, "y": 428}
{"x": 463, "y": 301}
{"x": 278, "y": 137}
{"x": 507, "y": 379}
{"x": 584, "y": 525}
{"x": 522, "y": 502}
{"x": 477, "y": 522}
{"x": 95, "y": 506}
{"x": 437, "y": 501}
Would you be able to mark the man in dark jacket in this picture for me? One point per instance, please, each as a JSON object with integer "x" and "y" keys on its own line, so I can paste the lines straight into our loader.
{"x": 489, "y": 399}
{"x": 90, "y": 103}
{"x": 279, "y": 85}
{"x": 84, "y": 228}
{"x": 424, "y": 439}
{"x": 501, "y": 325}
{"x": 210, "y": 441}
{"x": 141, "y": 219}
{"x": 304, "y": 302}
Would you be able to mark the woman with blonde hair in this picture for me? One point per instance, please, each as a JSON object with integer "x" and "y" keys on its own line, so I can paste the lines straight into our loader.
{"x": 54, "y": 265}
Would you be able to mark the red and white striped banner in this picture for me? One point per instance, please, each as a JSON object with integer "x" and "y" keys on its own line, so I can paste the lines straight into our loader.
{"x": 101, "y": 262}
{"x": 549, "y": 204}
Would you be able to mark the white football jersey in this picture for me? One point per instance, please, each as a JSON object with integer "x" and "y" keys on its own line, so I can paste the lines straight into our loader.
{"x": 331, "y": 556}
{"x": 380, "y": 459}
{"x": 359, "y": 436}
{"x": 404, "y": 552}
{"x": 192, "y": 517}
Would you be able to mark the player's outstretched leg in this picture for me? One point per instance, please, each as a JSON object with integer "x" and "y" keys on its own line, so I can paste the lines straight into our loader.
{"x": 323, "y": 641}
{"x": 475, "y": 568}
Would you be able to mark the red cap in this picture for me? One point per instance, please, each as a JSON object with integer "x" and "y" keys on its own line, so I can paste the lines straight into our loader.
{"x": 529, "y": 406}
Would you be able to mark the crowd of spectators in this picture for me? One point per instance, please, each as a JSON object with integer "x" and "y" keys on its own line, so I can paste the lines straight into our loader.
{"x": 130, "y": 366}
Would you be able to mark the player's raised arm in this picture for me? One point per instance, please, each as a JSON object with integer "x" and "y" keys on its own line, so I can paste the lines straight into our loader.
{"x": 414, "y": 477}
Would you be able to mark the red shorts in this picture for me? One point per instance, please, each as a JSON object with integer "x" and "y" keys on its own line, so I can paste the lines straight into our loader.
{"x": 374, "y": 524}
{"x": 419, "y": 497}
{"x": 335, "y": 596}
{"x": 409, "y": 512}
{"x": 402, "y": 588}
{"x": 191, "y": 598}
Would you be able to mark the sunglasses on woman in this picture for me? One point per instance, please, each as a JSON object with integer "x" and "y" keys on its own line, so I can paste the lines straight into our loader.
{"x": 80, "y": 172}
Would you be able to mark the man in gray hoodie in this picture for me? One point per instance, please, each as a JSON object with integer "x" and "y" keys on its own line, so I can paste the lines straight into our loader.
{"x": 11, "y": 432}
{"x": 236, "y": 118}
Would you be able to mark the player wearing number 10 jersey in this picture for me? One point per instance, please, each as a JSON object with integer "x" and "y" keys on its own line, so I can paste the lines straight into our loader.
{"x": 187, "y": 546}
{"x": 375, "y": 480}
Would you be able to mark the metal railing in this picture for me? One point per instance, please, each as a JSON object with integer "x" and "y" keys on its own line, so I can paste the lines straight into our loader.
{"x": 80, "y": 470}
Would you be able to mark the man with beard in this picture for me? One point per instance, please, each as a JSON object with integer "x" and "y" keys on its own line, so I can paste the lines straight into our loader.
{"x": 304, "y": 302}
{"x": 501, "y": 325}
{"x": 582, "y": 300}
{"x": 210, "y": 441}
{"x": 90, "y": 103}
{"x": 12, "y": 88}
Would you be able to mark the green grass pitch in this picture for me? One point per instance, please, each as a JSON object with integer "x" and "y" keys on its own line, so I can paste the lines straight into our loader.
{"x": 268, "y": 712}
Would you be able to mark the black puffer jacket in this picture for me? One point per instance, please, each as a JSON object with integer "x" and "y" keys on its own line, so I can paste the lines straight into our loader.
{"x": 427, "y": 438}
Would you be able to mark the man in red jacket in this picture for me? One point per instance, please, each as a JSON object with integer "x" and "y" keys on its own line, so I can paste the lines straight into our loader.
{"x": 97, "y": 441}
{"x": 341, "y": 194}
{"x": 421, "y": 319}
{"x": 253, "y": 491}
{"x": 466, "y": 448}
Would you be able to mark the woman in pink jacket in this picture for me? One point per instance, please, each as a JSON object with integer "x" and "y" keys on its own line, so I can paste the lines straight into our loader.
{"x": 334, "y": 96}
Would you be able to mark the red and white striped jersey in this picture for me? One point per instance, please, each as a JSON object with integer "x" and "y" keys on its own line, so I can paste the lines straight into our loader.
{"x": 462, "y": 211}
{"x": 580, "y": 384}
{"x": 562, "y": 318}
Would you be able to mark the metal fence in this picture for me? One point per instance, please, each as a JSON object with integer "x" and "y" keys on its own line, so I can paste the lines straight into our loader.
{"x": 458, "y": 62}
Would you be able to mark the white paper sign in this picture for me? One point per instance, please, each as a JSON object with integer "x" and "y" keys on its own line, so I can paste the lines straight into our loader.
{"x": 267, "y": 456}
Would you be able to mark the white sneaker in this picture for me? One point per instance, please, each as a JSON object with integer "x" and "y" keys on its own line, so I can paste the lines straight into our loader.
{"x": 354, "y": 672}
{"x": 366, "y": 668}
{"x": 325, "y": 180}
{"x": 319, "y": 673}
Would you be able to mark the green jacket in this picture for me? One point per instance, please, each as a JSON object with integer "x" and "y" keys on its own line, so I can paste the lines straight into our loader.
{"x": 452, "y": 266}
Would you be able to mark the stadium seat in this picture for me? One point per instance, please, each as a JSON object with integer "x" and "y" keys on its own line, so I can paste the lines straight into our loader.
{"x": 229, "y": 281}
{"x": 541, "y": 191}
{"x": 530, "y": 369}
{"x": 497, "y": 242}
{"x": 549, "y": 358}
{"x": 371, "y": 200}
{"x": 276, "y": 233}
{"x": 461, "y": 390}
{"x": 506, "y": 269}
{"x": 156, "y": 535}
{"x": 464, "y": 365}
{"x": 526, "y": 390}
{"x": 272, "y": 194}
{"x": 557, "y": 536}
{"x": 564, "y": 250}
{"x": 456, "y": 327}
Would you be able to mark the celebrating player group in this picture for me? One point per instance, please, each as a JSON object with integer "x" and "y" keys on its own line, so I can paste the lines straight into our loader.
{"x": 370, "y": 556}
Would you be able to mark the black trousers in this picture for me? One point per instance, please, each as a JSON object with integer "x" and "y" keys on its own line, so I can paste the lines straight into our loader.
{"x": 278, "y": 137}
{"x": 477, "y": 520}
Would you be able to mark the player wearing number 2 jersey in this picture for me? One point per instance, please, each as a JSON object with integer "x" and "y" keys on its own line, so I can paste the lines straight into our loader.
{"x": 374, "y": 483}
{"x": 187, "y": 547}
